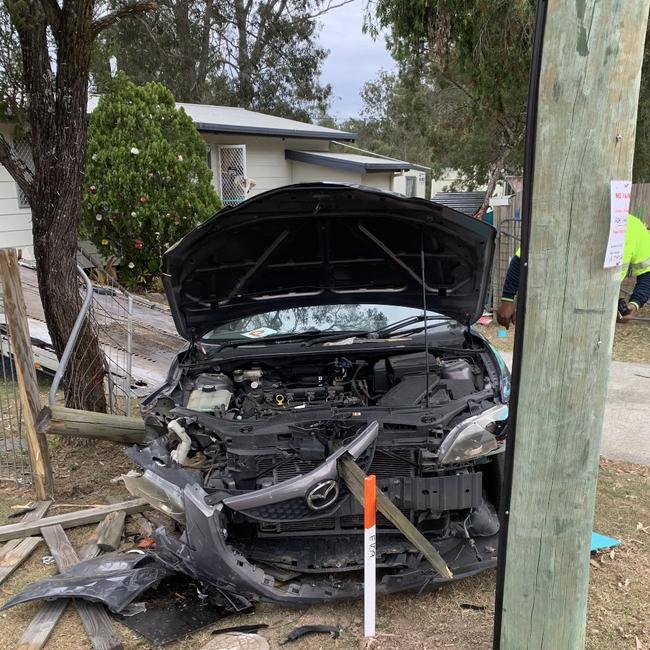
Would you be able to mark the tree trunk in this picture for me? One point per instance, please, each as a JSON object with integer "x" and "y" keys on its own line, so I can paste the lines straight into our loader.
{"x": 56, "y": 41}
{"x": 244, "y": 72}
{"x": 58, "y": 124}
{"x": 55, "y": 251}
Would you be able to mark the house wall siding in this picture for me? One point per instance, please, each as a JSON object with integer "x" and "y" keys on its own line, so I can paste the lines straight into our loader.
{"x": 265, "y": 162}
{"x": 399, "y": 182}
{"x": 15, "y": 222}
{"x": 380, "y": 181}
{"x": 306, "y": 173}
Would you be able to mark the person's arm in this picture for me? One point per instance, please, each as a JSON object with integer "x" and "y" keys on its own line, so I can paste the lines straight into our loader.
{"x": 641, "y": 293}
{"x": 511, "y": 284}
{"x": 639, "y": 265}
{"x": 506, "y": 310}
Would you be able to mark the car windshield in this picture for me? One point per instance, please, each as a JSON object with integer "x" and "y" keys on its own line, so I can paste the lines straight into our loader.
{"x": 319, "y": 319}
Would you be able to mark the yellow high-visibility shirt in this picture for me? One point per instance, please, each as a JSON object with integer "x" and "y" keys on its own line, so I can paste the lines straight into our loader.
{"x": 636, "y": 254}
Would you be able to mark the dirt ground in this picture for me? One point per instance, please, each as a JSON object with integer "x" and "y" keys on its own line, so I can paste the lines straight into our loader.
{"x": 631, "y": 339}
{"x": 619, "y": 611}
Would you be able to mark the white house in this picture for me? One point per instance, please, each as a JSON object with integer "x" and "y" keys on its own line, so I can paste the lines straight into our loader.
{"x": 249, "y": 153}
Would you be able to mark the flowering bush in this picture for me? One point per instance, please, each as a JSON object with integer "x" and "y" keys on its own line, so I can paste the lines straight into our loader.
{"x": 147, "y": 178}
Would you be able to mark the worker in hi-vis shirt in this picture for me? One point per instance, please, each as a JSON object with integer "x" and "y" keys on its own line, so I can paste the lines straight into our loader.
{"x": 636, "y": 258}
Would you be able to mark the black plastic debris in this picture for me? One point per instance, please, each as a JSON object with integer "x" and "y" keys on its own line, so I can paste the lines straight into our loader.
{"x": 255, "y": 627}
{"x": 477, "y": 608}
{"x": 177, "y": 607}
{"x": 115, "y": 579}
{"x": 333, "y": 630}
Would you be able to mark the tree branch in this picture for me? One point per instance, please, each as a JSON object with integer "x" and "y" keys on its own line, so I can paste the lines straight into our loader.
{"x": 324, "y": 10}
{"x": 53, "y": 13}
{"x": 105, "y": 21}
{"x": 16, "y": 167}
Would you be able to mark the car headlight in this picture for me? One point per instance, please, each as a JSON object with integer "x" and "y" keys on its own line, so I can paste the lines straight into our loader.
{"x": 473, "y": 437}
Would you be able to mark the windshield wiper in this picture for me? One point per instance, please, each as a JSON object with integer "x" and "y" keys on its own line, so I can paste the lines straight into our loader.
{"x": 384, "y": 331}
{"x": 288, "y": 336}
{"x": 411, "y": 320}
{"x": 333, "y": 336}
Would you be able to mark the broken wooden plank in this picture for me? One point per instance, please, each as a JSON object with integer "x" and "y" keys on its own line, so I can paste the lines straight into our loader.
{"x": 40, "y": 627}
{"x": 71, "y": 519}
{"x": 13, "y": 558}
{"x": 62, "y": 421}
{"x": 354, "y": 476}
{"x": 16, "y": 551}
{"x": 40, "y": 508}
{"x": 109, "y": 531}
{"x": 21, "y": 348}
{"x": 93, "y": 615}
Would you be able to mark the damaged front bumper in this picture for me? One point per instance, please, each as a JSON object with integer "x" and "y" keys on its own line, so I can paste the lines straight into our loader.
{"x": 205, "y": 553}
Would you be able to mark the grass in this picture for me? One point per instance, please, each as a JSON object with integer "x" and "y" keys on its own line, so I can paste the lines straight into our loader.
{"x": 619, "y": 612}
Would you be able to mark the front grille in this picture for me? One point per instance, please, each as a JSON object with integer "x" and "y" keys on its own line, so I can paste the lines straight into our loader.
{"x": 285, "y": 471}
{"x": 345, "y": 523}
{"x": 299, "y": 526}
{"x": 356, "y": 521}
{"x": 389, "y": 466}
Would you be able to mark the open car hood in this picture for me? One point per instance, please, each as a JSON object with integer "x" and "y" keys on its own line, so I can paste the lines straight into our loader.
{"x": 326, "y": 243}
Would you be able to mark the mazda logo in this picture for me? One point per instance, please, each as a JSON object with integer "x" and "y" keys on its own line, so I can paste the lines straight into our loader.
{"x": 323, "y": 495}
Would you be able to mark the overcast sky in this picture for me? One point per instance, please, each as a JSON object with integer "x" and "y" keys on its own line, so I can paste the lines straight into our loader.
{"x": 354, "y": 57}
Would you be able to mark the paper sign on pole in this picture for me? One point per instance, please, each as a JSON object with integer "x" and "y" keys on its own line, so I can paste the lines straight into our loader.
{"x": 620, "y": 192}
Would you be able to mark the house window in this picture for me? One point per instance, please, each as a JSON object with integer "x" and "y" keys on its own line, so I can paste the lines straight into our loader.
{"x": 232, "y": 173}
{"x": 23, "y": 151}
{"x": 411, "y": 186}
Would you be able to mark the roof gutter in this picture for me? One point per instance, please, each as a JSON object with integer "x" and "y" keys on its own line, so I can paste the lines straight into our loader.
{"x": 206, "y": 127}
{"x": 423, "y": 168}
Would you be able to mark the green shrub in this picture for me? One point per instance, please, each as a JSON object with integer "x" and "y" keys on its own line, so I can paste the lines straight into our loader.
{"x": 147, "y": 178}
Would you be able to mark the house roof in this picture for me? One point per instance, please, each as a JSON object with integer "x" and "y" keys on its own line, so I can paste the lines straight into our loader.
{"x": 465, "y": 202}
{"x": 350, "y": 161}
{"x": 230, "y": 119}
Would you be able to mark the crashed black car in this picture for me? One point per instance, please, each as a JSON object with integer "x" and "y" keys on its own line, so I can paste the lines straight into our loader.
{"x": 324, "y": 320}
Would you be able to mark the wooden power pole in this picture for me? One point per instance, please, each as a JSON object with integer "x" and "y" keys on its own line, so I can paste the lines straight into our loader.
{"x": 585, "y": 131}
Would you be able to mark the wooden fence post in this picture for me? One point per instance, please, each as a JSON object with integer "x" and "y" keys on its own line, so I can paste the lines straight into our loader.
{"x": 588, "y": 96}
{"x": 21, "y": 346}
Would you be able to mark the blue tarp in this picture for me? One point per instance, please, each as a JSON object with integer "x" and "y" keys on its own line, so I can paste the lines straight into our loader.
{"x": 599, "y": 542}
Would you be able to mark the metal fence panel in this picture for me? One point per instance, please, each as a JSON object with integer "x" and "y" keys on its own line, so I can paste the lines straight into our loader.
{"x": 14, "y": 454}
{"x": 107, "y": 310}
{"x": 507, "y": 221}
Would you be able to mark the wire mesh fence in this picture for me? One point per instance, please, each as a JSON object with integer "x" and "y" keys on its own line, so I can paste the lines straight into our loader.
{"x": 14, "y": 453}
{"x": 107, "y": 314}
{"x": 508, "y": 225}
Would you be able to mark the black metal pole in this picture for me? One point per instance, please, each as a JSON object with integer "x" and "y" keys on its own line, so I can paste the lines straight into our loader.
{"x": 527, "y": 199}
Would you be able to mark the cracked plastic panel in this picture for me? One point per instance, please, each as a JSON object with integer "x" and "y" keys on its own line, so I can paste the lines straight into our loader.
{"x": 115, "y": 579}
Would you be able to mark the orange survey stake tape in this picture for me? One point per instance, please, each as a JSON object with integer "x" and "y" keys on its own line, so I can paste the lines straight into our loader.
{"x": 370, "y": 501}
{"x": 369, "y": 554}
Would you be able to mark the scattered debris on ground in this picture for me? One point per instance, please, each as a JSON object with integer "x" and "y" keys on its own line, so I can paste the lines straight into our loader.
{"x": 457, "y": 615}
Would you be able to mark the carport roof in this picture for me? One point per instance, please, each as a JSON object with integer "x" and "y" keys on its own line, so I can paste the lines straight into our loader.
{"x": 230, "y": 119}
{"x": 465, "y": 202}
{"x": 351, "y": 161}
